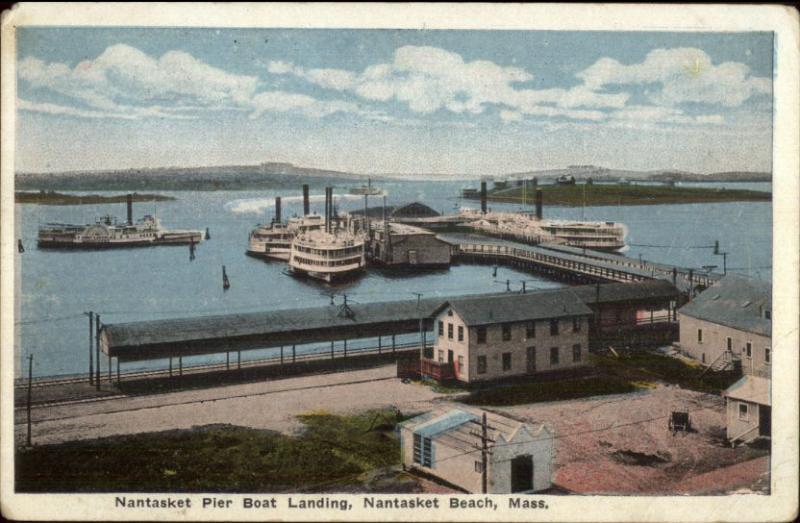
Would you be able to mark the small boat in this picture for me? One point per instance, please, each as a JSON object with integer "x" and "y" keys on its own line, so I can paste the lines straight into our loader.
{"x": 566, "y": 179}
{"x": 367, "y": 190}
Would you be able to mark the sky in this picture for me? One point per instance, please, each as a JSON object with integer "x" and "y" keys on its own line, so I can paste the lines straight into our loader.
{"x": 392, "y": 101}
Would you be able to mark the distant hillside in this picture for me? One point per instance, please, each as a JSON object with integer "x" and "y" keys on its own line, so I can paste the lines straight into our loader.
{"x": 583, "y": 172}
{"x": 227, "y": 177}
{"x": 286, "y": 175}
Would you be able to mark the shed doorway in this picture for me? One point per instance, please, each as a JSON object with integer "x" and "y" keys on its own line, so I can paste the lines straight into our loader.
{"x": 764, "y": 420}
{"x": 522, "y": 473}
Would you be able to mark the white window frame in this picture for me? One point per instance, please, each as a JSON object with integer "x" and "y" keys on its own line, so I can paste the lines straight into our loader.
{"x": 746, "y": 416}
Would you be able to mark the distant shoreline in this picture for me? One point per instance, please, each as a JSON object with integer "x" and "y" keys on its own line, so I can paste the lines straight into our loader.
{"x": 599, "y": 195}
{"x": 57, "y": 198}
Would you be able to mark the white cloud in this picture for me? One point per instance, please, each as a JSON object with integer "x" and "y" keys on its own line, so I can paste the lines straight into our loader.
{"x": 124, "y": 82}
{"x": 680, "y": 75}
{"x": 429, "y": 79}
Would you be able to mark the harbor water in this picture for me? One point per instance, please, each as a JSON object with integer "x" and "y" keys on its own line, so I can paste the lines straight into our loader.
{"x": 55, "y": 288}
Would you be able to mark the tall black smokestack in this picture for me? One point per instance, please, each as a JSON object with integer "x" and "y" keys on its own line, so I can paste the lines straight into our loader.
{"x": 327, "y": 208}
{"x": 305, "y": 200}
{"x": 539, "y": 203}
{"x": 483, "y": 197}
{"x": 130, "y": 209}
{"x": 278, "y": 209}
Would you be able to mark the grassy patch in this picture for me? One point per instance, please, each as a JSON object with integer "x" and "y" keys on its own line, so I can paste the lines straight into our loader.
{"x": 648, "y": 366}
{"x": 534, "y": 392}
{"x": 333, "y": 450}
{"x": 607, "y": 194}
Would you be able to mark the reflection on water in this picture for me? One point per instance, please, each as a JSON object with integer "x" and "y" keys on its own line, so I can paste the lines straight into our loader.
{"x": 161, "y": 282}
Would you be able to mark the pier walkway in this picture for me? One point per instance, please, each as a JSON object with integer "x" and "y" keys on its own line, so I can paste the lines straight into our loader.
{"x": 574, "y": 264}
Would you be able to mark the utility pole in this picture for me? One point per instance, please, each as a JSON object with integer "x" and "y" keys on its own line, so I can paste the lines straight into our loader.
{"x": 484, "y": 448}
{"x": 91, "y": 346}
{"x": 97, "y": 352}
{"x": 419, "y": 312}
{"x": 30, "y": 387}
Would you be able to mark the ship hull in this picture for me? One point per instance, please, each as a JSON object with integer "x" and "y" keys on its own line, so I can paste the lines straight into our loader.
{"x": 327, "y": 277}
{"x": 269, "y": 256}
{"x": 90, "y": 245}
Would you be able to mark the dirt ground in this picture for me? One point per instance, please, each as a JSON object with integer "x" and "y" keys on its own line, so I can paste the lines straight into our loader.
{"x": 271, "y": 405}
{"x": 621, "y": 445}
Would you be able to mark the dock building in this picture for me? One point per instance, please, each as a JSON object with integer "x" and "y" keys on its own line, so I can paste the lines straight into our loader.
{"x": 402, "y": 245}
{"x": 447, "y": 443}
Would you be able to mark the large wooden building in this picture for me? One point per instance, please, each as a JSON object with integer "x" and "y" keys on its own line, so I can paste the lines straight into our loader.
{"x": 488, "y": 338}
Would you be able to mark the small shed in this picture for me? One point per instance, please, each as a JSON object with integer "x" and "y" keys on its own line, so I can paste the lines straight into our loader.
{"x": 447, "y": 443}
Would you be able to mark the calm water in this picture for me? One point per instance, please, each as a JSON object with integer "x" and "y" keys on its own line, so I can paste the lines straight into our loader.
{"x": 161, "y": 282}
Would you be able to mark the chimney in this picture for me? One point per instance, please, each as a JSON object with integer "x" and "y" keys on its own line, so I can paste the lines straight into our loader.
{"x": 539, "y": 203}
{"x": 305, "y": 199}
{"x": 130, "y": 209}
{"x": 277, "y": 209}
{"x": 483, "y": 197}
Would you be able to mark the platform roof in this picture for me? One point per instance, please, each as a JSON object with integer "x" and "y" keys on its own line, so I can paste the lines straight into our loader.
{"x": 143, "y": 340}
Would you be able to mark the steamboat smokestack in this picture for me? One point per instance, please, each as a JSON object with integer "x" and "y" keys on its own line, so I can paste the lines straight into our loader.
{"x": 305, "y": 200}
{"x": 277, "y": 209}
{"x": 327, "y": 209}
{"x": 539, "y": 203}
{"x": 483, "y": 197}
{"x": 130, "y": 209}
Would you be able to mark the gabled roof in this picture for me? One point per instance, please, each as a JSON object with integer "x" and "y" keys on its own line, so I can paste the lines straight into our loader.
{"x": 459, "y": 428}
{"x": 734, "y": 301}
{"x": 640, "y": 290}
{"x": 506, "y": 308}
{"x": 754, "y": 389}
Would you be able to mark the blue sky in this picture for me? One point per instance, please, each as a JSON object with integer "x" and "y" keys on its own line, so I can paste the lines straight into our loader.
{"x": 393, "y": 100}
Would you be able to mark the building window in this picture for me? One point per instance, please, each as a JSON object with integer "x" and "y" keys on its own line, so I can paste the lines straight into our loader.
{"x": 554, "y": 327}
{"x": 481, "y": 364}
{"x": 441, "y": 328}
{"x": 576, "y": 352}
{"x": 554, "y": 356}
{"x": 441, "y": 356}
{"x": 766, "y": 355}
{"x": 481, "y": 334}
{"x": 479, "y": 467}
{"x": 422, "y": 450}
{"x": 530, "y": 329}
{"x": 449, "y": 331}
{"x": 730, "y": 344}
{"x": 460, "y": 364}
{"x": 699, "y": 335}
{"x": 460, "y": 333}
{"x": 743, "y": 411}
{"x": 576, "y": 324}
{"x": 506, "y": 361}
{"x": 506, "y": 331}
{"x": 748, "y": 349}
{"x": 449, "y": 312}
{"x": 767, "y": 314}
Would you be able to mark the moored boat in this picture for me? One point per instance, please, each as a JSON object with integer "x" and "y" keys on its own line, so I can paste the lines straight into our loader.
{"x": 328, "y": 256}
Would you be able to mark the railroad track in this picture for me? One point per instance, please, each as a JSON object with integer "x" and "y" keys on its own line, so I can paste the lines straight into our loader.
{"x": 192, "y": 370}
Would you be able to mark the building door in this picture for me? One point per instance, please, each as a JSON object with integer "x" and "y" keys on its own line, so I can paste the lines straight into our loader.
{"x": 531, "y": 360}
{"x": 522, "y": 473}
{"x": 449, "y": 356}
{"x": 764, "y": 420}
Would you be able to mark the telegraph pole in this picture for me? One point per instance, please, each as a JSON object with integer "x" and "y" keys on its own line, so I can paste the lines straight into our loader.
{"x": 97, "y": 352}
{"x": 30, "y": 387}
{"x": 91, "y": 346}
{"x": 419, "y": 312}
{"x": 484, "y": 453}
